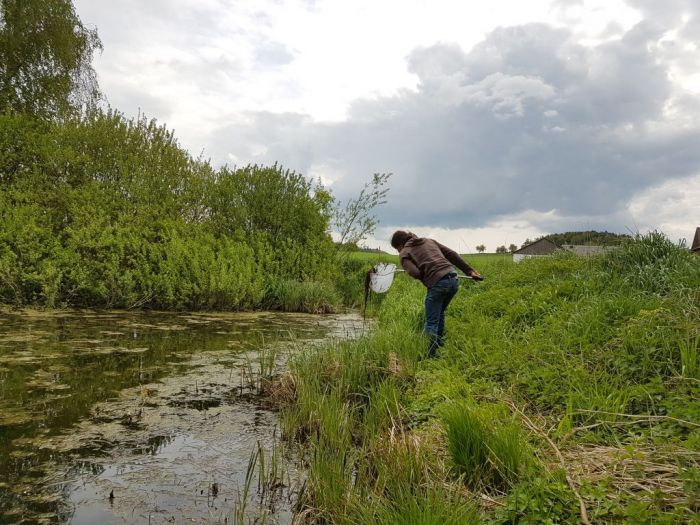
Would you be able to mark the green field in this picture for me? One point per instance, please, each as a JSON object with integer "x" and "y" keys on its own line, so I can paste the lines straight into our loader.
{"x": 474, "y": 259}
{"x": 568, "y": 391}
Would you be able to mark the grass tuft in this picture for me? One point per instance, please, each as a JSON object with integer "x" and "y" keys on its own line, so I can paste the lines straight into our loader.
{"x": 487, "y": 450}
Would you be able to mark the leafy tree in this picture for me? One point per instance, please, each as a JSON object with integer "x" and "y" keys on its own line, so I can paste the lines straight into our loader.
{"x": 480, "y": 248}
{"x": 501, "y": 249}
{"x": 281, "y": 204}
{"x": 512, "y": 248}
{"x": 355, "y": 220}
{"x": 46, "y": 59}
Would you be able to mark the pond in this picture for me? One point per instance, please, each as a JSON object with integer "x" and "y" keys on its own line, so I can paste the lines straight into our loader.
{"x": 146, "y": 417}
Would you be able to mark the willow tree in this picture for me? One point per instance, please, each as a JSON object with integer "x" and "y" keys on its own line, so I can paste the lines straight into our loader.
{"x": 46, "y": 59}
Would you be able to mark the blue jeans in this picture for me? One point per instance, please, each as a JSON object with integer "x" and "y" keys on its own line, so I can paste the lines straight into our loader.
{"x": 436, "y": 301}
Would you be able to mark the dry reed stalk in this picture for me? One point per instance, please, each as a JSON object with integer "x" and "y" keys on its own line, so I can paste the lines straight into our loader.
{"x": 281, "y": 389}
{"x": 394, "y": 365}
{"x": 569, "y": 479}
{"x": 641, "y": 418}
{"x": 642, "y": 470}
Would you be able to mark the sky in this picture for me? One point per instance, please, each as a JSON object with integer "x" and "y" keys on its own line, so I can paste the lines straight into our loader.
{"x": 500, "y": 121}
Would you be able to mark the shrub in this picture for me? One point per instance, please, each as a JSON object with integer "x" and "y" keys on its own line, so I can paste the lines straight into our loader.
{"x": 107, "y": 212}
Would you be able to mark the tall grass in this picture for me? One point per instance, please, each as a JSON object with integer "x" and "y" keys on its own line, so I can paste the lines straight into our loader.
{"x": 435, "y": 507}
{"x": 690, "y": 361}
{"x": 302, "y": 296}
{"x": 486, "y": 450}
{"x": 600, "y": 352}
{"x": 652, "y": 263}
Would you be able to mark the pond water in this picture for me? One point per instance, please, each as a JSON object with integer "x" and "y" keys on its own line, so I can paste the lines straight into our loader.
{"x": 146, "y": 417}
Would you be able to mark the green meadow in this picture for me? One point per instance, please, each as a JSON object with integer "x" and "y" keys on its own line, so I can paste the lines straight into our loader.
{"x": 567, "y": 393}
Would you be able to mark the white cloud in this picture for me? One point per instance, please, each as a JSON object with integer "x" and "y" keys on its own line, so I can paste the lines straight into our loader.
{"x": 502, "y": 232}
{"x": 490, "y": 115}
{"x": 672, "y": 207}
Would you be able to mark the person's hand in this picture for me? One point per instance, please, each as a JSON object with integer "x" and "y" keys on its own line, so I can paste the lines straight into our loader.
{"x": 475, "y": 275}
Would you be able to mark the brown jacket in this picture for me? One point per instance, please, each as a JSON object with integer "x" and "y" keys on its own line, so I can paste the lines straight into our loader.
{"x": 429, "y": 261}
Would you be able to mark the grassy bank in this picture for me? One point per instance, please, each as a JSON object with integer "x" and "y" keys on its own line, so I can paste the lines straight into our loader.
{"x": 568, "y": 390}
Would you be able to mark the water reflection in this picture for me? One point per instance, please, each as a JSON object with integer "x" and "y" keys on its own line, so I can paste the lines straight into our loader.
{"x": 145, "y": 405}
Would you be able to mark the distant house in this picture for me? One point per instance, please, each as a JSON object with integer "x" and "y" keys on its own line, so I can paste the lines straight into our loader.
{"x": 585, "y": 250}
{"x": 538, "y": 248}
{"x": 696, "y": 242}
{"x": 544, "y": 247}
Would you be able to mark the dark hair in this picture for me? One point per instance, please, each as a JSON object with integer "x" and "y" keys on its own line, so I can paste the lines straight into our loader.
{"x": 400, "y": 237}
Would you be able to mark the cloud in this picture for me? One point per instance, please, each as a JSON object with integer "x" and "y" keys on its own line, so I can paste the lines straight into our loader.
{"x": 673, "y": 206}
{"x": 668, "y": 13}
{"x": 528, "y": 121}
{"x": 271, "y": 54}
{"x": 546, "y": 126}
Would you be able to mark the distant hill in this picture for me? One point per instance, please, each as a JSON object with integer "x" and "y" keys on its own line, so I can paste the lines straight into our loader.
{"x": 587, "y": 238}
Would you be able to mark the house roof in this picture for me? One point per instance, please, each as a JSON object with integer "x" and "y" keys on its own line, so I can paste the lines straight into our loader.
{"x": 540, "y": 247}
{"x": 696, "y": 241}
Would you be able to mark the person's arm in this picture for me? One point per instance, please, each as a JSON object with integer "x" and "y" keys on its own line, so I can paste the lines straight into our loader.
{"x": 409, "y": 266}
{"x": 455, "y": 259}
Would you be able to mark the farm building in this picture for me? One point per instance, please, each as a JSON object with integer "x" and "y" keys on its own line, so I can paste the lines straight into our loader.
{"x": 544, "y": 247}
{"x": 696, "y": 241}
{"x": 538, "y": 248}
{"x": 585, "y": 250}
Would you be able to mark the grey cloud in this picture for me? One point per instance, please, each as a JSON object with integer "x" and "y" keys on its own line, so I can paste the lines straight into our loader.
{"x": 193, "y": 71}
{"x": 134, "y": 101}
{"x": 691, "y": 30}
{"x": 437, "y": 62}
{"x": 668, "y": 12}
{"x": 527, "y": 120}
{"x": 613, "y": 29}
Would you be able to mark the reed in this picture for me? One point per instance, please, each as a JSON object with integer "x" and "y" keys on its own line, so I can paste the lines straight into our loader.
{"x": 302, "y": 296}
{"x": 434, "y": 507}
{"x": 690, "y": 361}
{"x": 487, "y": 450}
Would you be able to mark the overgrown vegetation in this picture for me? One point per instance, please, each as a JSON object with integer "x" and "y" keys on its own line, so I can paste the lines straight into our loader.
{"x": 107, "y": 212}
{"x": 97, "y": 210}
{"x": 568, "y": 392}
{"x": 591, "y": 238}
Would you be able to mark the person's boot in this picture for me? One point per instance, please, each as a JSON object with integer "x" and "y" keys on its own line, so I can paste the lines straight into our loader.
{"x": 434, "y": 345}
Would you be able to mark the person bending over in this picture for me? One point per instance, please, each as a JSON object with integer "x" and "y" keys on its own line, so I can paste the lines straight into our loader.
{"x": 432, "y": 263}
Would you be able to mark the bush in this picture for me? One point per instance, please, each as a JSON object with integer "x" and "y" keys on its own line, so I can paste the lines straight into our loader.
{"x": 108, "y": 212}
